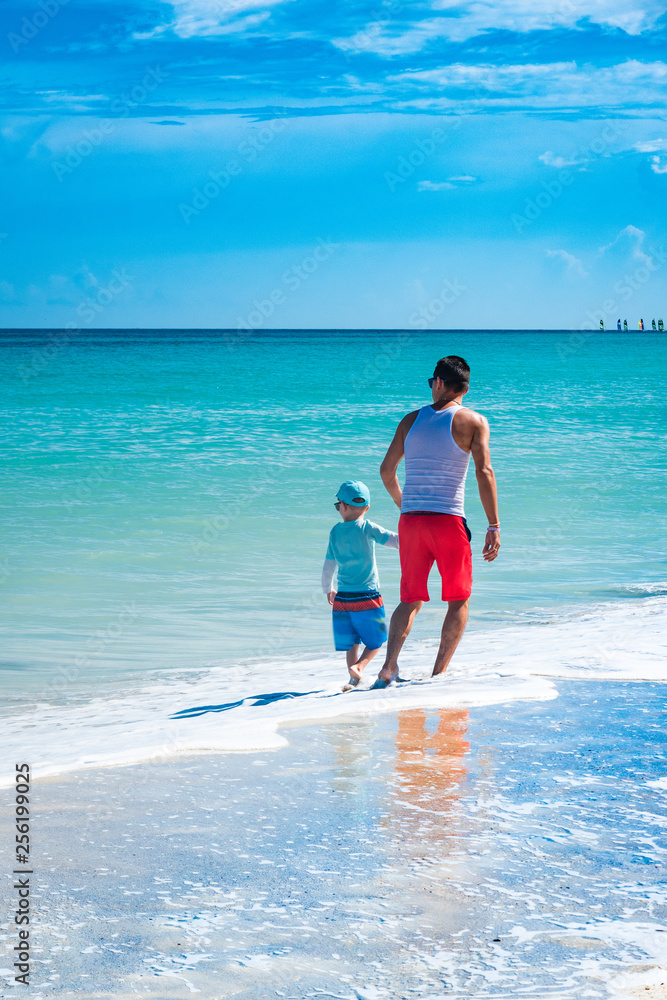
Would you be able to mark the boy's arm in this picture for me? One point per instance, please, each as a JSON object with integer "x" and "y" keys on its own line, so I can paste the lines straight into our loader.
{"x": 382, "y": 536}
{"x": 329, "y": 572}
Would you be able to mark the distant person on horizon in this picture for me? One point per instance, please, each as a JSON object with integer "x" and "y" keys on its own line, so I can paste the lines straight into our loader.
{"x": 437, "y": 442}
{"x": 358, "y": 608}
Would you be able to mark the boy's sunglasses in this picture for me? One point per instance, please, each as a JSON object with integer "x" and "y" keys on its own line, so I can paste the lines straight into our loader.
{"x": 337, "y": 504}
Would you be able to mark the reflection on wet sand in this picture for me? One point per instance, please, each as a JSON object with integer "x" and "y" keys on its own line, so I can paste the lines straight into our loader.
{"x": 354, "y": 747}
{"x": 429, "y": 773}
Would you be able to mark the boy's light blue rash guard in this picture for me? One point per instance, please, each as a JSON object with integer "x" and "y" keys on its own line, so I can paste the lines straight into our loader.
{"x": 352, "y": 550}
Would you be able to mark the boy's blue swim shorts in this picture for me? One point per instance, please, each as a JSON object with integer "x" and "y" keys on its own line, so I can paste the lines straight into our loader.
{"x": 359, "y": 618}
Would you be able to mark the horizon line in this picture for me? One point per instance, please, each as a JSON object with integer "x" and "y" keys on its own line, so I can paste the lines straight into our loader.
{"x": 318, "y": 329}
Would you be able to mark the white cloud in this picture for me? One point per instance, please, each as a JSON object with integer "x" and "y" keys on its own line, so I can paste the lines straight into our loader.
{"x": 62, "y": 95}
{"x": 488, "y": 75}
{"x": 628, "y": 243}
{"x": 552, "y": 160}
{"x": 536, "y": 85}
{"x": 208, "y": 18}
{"x": 193, "y": 27}
{"x": 84, "y": 278}
{"x": 385, "y": 38}
{"x": 650, "y": 146}
{"x": 571, "y": 264}
{"x": 450, "y": 184}
{"x": 529, "y": 15}
{"x": 466, "y": 20}
{"x": 657, "y": 166}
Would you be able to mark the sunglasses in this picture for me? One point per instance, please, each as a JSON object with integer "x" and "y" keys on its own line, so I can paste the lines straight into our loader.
{"x": 432, "y": 380}
{"x": 337, "y": 504}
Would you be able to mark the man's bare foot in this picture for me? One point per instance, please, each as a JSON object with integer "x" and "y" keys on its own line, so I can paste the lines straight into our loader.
{"x": 380, "y": 683}
{"x": 351, "y": 685}
{"x": 385, "y": 677}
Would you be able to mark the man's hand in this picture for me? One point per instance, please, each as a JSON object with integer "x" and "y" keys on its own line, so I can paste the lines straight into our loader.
{"x": 491, "y": 545}
{"x": 331, "y": 597}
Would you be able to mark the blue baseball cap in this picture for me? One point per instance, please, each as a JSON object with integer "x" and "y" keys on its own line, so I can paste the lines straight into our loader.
{"x": 354, "y": 492}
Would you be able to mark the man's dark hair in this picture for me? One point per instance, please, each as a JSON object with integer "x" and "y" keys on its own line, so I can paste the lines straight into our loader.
{"x": 454, "y": 371}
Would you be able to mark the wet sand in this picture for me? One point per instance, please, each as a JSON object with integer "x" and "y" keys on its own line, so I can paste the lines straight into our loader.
{"x": 491, "y": 852}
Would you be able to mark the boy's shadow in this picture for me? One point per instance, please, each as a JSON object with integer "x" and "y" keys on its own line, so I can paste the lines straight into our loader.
{"x": 256, "y": 700}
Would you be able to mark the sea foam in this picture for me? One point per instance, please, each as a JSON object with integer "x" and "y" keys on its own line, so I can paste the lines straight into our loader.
{"x": 250, "y": 708}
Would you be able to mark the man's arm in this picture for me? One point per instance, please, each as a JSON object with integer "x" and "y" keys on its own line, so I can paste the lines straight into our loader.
{"x": 394, "y": 457}
{"x": 486, "y": 484}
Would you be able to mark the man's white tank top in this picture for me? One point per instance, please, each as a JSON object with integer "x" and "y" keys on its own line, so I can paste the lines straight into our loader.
{"x": 435, "y": 466}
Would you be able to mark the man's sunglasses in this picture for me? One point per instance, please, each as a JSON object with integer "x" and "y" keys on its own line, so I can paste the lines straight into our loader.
{"x": 432, "y": 380}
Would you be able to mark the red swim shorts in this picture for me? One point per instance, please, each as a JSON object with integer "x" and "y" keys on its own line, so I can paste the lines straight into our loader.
{"x": 442, "y": 539}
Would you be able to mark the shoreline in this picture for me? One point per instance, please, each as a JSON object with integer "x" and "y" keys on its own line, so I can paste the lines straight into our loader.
{"x": 224, "y": 710}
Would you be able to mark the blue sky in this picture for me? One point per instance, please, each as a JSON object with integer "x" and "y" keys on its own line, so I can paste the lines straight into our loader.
{"x": 243, "y": 163}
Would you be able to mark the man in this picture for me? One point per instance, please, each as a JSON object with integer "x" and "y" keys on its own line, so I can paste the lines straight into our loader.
{"x": 437, "y": 442}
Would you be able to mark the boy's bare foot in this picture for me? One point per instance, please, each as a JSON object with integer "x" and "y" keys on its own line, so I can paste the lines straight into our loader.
{"x": 351, "y": 685}
{"x": 355, "y": 672}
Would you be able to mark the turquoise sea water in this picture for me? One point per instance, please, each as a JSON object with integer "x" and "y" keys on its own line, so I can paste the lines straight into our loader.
{"x": 167, "y": 495}
{"x": 166, "y": 503}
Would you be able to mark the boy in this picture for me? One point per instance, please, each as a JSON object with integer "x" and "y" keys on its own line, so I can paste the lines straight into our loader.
{"x": 358, "y": 609}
